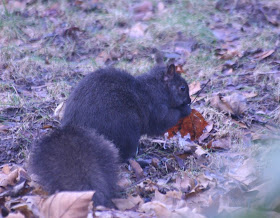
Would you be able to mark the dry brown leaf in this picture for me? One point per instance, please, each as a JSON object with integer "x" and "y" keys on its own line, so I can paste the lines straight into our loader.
{"x": 6, "y": 169}
{"x": 162, "y": 211}
{"x": 9, "y": 179}
{"x": 234, "y": 104}
{"x": 47, "y": 127}
{"x": 217, "y": 102}
{"x": 4, "y": 128}
{"x": 138, "y": 30}
{"x": 250, "y": 94}
{"x": 194, "y": 87}
{"x": 263, "y": 55}
{"x": 137, "y": 169}
{"x": 193, "y": 124}
{"x": 87, "y": 5}
{"x": 203, "y": 183}
{"x": 24, "y": 209}
{"x": 219, "y": 144}
{"x": 209, "y": 127}
{"x": 159, "y": 208}
{"x": 185, "y": 183}
{"x": 179, "y": 69}
{"x": 15, "y": 215}
{"x": 124, "y": 182}
{"x": 129, "y": 203}
{"x": 102, "y": 57}
{"x": 172, "y": 199}
{"x": 237, "y": 102}
{"x": 229, "y": 54}
{"x": 259, "y": 136}
{"x": 59, "y": 111}
{"x": 71, "y": 32}
{"x": 240, "y": 124}
{"x": 67, "y": 204}
{"x": 245, "y": 173}
{"x": 200, "y": 151}
{"x": 143, "y": 11}
{"x": 142, "y": 7}
{"x": 155, "y": 162}
{"x": 169, "y": 205}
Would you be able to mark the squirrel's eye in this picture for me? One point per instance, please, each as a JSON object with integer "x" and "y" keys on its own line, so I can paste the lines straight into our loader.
{"x": 183, "y": 88}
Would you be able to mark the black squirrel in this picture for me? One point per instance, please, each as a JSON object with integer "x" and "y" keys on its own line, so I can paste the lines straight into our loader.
{"x": 107, "y": 105}
{"x": 122, "y": 107}
{"x": 76, "y": 159}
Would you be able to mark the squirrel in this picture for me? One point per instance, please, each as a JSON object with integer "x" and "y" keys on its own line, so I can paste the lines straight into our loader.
{"x": 123, "y": 107}
{"x": 104, "y": 118}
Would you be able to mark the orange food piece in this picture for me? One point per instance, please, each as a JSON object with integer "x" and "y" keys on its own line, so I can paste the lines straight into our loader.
{"x": 193, "y": 124}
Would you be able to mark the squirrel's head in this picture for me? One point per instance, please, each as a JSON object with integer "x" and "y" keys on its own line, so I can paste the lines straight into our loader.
{"x": 178, "y": 90}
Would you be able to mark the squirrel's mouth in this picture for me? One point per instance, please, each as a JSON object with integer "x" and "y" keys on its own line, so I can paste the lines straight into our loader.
{"x": 186, "y": 103}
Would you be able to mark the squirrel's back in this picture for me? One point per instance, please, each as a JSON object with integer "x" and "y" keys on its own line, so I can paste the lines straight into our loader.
{"x": 100, "y": 96}
{"x": 76, "y": 159}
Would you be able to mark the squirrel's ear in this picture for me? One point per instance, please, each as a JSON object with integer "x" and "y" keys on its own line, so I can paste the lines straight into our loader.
{"x": 170, "y": 72}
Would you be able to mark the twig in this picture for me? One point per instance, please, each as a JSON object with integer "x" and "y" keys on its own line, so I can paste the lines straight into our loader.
{"x": 200, "y": 91}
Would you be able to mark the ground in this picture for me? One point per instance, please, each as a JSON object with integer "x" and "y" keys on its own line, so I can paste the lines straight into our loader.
{"x": 46, "y": 47}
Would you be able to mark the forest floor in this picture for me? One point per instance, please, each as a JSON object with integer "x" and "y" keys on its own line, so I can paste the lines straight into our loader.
{"x": 46, "y": 47}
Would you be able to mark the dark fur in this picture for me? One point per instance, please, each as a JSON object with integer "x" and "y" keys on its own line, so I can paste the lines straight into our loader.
{"x": 75, "y": 159}
{"x": 122, "y": 107}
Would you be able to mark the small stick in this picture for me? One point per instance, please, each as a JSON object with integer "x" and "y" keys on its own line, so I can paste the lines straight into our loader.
{"x": 200, "y": 91}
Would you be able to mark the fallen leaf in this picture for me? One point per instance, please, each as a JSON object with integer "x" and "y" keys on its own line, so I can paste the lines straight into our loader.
{"x": 159, "y": 208}
{"x": 71, "y": 32}
{"x": 262, "y": 55}
{"x": 259, "y": 136}
{"x": 9, "y": 179}
{"x": 200, "y": 151}
{"x": 234, "y": 104}
{"x": 155, "y": 162}
{"x": 88, "y": 5}
{"x": 168, "y": 205}
{"x": 194, "y": 87}
{"x": 219, "y": 144}
{"x": 179, "y": 69}
{"x": 246, "y": 173}
{"x": 184, "y": 183}
{"x": 102, "y": 57}
{"x": 4, "y": 128}
{"x": 240, "y": 124}
{"x": 217, "y": 102}
{"x": 6, "y": 169}
{"x": 237, "y": 102}
{"x": 142, "y": 7}
{"x": 143, "y": 11}
{"x": 227, "y": 54}
{"x": 250, "y": 94}
{"x": 47, "y": 127}
{"x": 24, "y": 209}
{"x": 59, "y": 111}
{"x": 138, "y": 30}
{"x": 209, "y": 127}
{"x": 137, "y": 169}
{"x": 15, "y": 215}
{"x": 129, "y": 203}
{"x": 67, "y": 204}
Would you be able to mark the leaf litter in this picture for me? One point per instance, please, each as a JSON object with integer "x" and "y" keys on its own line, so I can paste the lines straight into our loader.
{"x": 227, "y": 164}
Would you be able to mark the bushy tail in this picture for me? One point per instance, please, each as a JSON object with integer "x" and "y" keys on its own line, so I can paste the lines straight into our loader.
{"x": 75, "y": 159}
